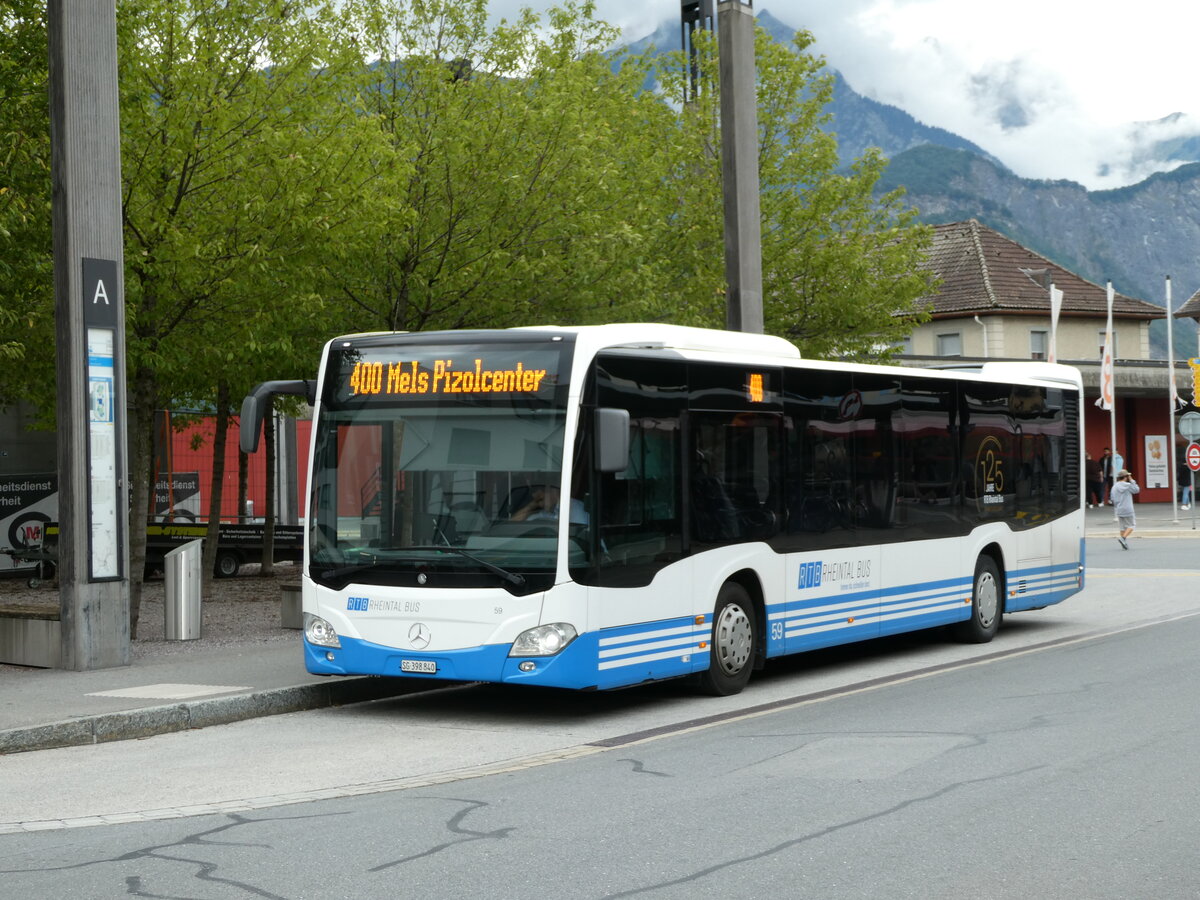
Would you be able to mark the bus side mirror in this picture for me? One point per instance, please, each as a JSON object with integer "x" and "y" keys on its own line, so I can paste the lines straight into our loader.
{"x": 255, "y": 405}
{"x": 612, "y": 439}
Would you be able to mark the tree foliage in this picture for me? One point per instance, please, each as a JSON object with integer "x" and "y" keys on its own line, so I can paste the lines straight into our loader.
{"x": 292, "y": 171}
{"x": 520, "y": 165}
{"x": 840, "y": 267}
{"x": 26, "y": 291}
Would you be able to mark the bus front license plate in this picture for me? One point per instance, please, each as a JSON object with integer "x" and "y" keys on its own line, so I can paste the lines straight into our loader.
{"x": 424, "y": 666}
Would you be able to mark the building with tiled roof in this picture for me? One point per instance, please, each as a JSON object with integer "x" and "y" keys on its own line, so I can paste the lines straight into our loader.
{"x": 1190, "y": 309}
{"x": 994, "y": 301}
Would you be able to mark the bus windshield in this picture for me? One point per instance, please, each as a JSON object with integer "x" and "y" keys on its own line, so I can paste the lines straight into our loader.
{"x": 440, "y": 467}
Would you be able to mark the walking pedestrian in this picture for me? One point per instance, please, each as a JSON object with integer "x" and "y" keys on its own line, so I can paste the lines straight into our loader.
{"x": 1183, "y": 474}
{"x": 1122, "y": 500}
{"x": 1095, "y": 482}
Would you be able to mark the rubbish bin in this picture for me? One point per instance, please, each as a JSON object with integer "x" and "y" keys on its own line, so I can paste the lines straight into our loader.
{"x": 181, "y": 611}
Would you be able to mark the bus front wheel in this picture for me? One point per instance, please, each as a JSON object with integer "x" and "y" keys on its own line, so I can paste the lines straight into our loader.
{"x": 734, "y": 638}
{"x": 986, "y": 605}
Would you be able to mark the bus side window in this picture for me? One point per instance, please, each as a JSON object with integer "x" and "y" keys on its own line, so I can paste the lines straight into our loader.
{"x": 819, "y": 460}
{"x": 734, "y": 479}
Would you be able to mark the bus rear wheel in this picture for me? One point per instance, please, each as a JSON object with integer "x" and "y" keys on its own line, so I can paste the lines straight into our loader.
{"x": 986, "y": 605}
{"x": 734, "y": 637}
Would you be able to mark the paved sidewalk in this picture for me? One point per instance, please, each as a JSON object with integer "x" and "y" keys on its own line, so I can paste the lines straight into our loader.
{"x": 260, "y": 672}
{"x": 1153, "y": 520}
{"x": 191, "y": 688}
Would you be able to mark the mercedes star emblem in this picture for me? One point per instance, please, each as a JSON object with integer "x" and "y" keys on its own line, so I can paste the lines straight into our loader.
{"x": 419, "y": 636}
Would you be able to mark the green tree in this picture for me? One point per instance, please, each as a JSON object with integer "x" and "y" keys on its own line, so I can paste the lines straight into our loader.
{"x": 528, "y": 169}
{"x": 234, "y": 154}
{"x": 840, "y": 267}
{"x": 26, "y": 264}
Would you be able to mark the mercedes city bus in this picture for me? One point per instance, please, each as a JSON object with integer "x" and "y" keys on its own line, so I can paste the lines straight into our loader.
{"x": 602, "y": 506}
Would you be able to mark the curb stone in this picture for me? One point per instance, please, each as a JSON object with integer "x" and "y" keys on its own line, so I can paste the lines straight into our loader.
{"x": 154, "y": 720}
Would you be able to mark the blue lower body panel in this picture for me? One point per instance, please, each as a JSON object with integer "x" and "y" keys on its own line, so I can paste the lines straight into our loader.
{"x": 1042, "y": 586}
{"x": 574, "y": 667}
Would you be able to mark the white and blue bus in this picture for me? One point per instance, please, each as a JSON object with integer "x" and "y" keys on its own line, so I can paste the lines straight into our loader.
{"x": 598, "y": 507}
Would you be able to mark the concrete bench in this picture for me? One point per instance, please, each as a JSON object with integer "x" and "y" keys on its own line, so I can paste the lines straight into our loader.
{"x": 290, "y": 614}
{"x": 30, "y": 635}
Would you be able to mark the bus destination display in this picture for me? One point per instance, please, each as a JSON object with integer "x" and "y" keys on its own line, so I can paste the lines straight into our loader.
{"x": 441, "y": 376}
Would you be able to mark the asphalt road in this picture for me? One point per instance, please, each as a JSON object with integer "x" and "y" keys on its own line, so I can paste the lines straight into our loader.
{"x": 1055, "y": 761}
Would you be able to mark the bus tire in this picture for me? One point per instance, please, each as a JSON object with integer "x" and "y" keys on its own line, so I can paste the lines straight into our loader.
{"x": 227, "y": 564}
{"x": 987, "y": 604}
{"x": 734, "y": 637}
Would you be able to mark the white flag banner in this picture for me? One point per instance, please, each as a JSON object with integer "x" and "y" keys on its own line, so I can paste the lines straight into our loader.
{"x": 1107, "y": 390}
{"x": 1177, "y": 402}
{"x": 1056, "y": 297}
{"x": 1106, "y": 374}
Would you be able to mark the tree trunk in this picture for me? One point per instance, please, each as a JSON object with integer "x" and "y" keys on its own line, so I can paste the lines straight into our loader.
{"x": 268, "y": 556}
{"x": 212, "y": 536}
{"x": 141, "y": 470}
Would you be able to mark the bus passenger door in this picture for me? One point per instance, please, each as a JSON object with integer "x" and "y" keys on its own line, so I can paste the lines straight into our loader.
{"x": 640, "y": 593}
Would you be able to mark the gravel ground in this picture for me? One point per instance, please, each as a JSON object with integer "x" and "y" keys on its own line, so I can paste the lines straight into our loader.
{"x": 240, "y": 610}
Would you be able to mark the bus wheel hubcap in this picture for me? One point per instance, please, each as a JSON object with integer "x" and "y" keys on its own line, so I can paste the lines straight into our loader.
{"x": 987, "y": 599}
{"x": 733, "y": 635}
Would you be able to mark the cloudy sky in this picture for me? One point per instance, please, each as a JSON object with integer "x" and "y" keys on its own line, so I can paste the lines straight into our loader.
{"x": 1050, "y": 87}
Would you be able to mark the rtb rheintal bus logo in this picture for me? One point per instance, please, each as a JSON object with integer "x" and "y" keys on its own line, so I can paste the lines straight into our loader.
{"x": 810, "y": 575}
{"x": 844, "y": 575}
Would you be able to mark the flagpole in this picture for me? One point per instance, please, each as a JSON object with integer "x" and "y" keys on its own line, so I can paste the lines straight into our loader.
{"x": 1112, "y": 409}
{"x": 1171, "y": 395}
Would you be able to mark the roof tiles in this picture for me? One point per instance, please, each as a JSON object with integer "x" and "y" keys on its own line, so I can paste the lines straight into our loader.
{"x": 984, "y": 272}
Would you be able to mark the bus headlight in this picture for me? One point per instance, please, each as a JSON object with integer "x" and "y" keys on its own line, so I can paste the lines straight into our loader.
{"x": 545, "y": 640}
{"x": 320, "y": 632}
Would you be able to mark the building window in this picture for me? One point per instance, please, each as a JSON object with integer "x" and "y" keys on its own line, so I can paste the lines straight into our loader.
{"x": 949, "y": 344}
{"x": 1100, "y": 341}
{"x": 1039, "y": 344}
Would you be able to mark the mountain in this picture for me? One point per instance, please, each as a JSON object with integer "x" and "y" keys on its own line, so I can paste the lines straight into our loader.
{"x": 1132, "y": 236}
{"x": 859, "y": 121}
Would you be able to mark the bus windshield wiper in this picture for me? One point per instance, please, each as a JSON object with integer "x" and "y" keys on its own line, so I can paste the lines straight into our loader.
{"x": 511, "y": 577}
